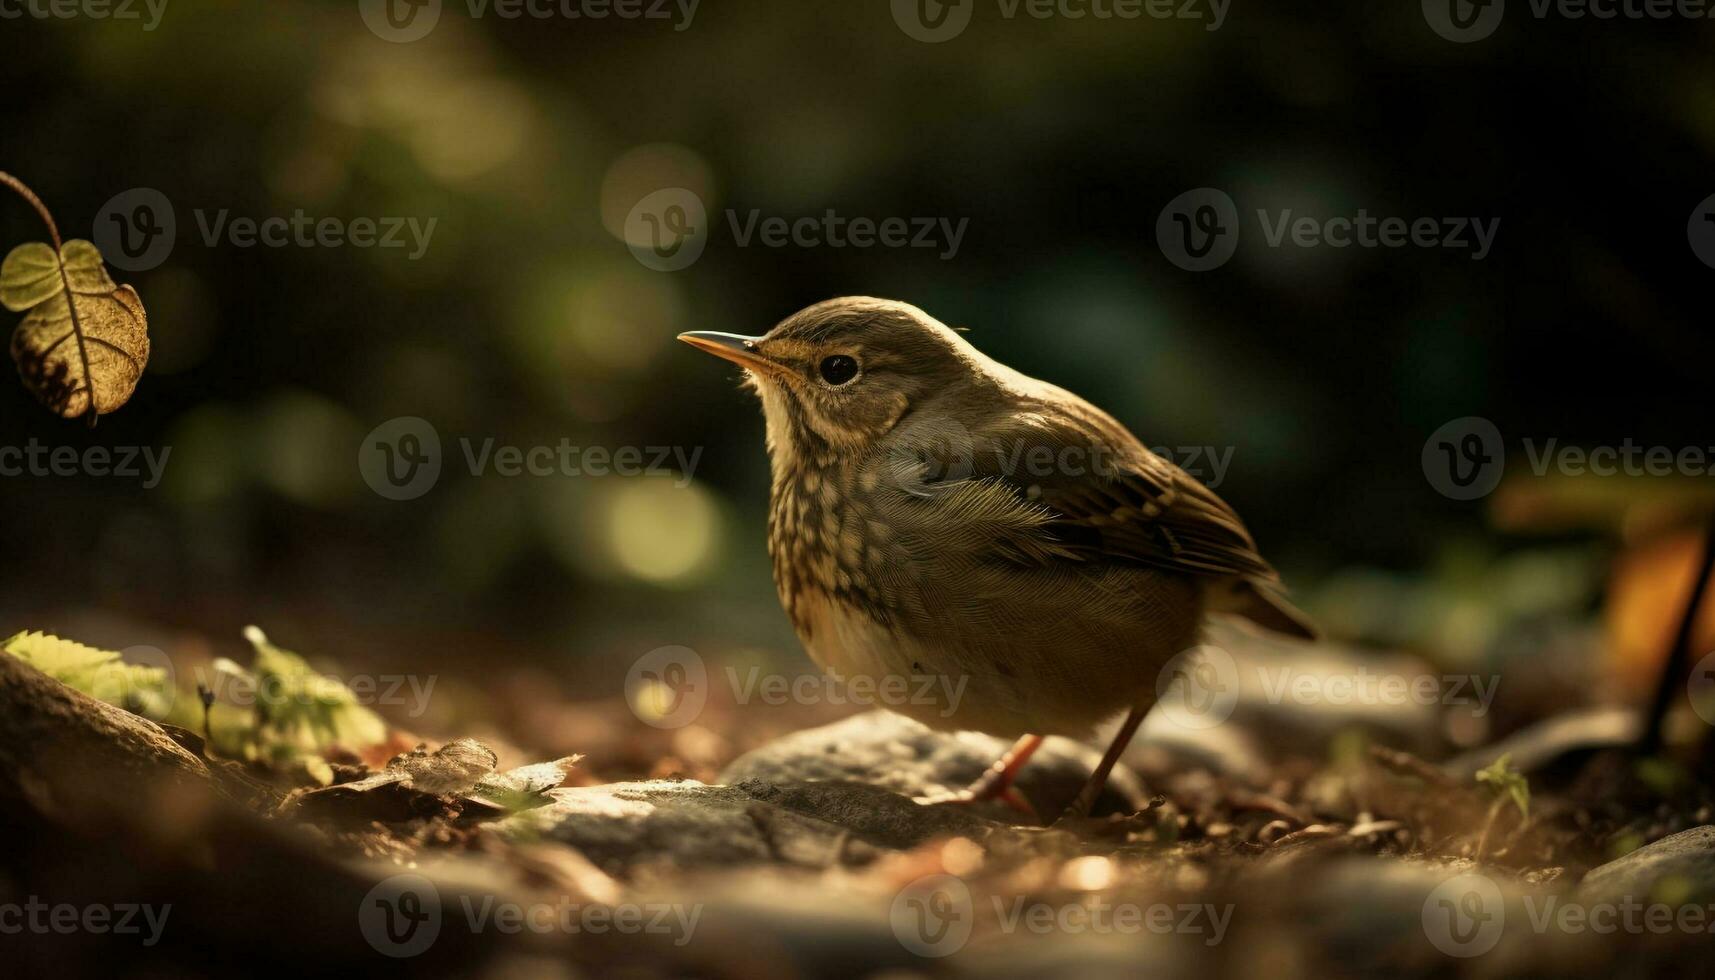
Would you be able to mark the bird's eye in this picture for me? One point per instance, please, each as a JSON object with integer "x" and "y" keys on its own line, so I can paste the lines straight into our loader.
{"x": 839, "y": 369}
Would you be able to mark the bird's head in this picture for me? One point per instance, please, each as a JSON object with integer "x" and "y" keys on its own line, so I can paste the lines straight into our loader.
{"x": 836, "y": 376}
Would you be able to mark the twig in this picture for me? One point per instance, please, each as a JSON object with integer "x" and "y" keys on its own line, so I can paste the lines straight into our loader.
{"x": 1406, "y": 764}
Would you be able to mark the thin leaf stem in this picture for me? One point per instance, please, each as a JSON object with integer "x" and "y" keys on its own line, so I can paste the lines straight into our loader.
{"x": 42, "y": 209}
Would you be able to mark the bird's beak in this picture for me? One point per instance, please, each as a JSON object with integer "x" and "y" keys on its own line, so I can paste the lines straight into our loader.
{"x": 739, "y": 349}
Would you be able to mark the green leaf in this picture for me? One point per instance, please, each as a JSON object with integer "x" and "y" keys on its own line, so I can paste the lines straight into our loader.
{"x": 85, "y": 268}
{"x": 304, "y": 710}
{"x": 1502, "y": 779}
{"x": 101, "y": 674}
{"x": 30, "y": 275}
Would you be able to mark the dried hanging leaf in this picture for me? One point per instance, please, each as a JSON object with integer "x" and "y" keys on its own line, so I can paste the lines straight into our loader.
{"x": 80, "y": 350}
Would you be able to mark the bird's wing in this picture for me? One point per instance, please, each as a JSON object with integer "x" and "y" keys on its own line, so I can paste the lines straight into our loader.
{"x": 1079, "y": 486}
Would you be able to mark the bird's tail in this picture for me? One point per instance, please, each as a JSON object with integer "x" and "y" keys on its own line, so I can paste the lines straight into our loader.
{"x": 1262, "y": 605}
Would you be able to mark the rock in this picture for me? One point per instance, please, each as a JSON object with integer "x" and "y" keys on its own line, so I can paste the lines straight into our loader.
{"x": 1574, "y": 734}
{"x": 688, "y": 824}
{"x": 888, "y": 750}
{"x": 86, "y": 762}
{"x": 1164, "y": 747}
{"x": 1295, "y": 699}
{"x": 1680, "y": 869}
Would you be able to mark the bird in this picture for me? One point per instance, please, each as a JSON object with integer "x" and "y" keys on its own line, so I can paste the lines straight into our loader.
{"x": 936, "y": 513}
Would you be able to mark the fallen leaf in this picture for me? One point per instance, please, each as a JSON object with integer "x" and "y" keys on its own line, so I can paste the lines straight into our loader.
{"x": 524, "y": 787}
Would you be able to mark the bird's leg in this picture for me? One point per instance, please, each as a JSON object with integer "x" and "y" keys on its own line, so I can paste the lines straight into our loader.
{"x": 1086, "y": 797}
{"x": 996, "y": 782}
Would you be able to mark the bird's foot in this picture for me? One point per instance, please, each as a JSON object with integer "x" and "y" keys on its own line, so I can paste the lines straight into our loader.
{"x": 1077, "y": 819}
{"x": 978, "y": 792}
{"x": 996, "y": 783}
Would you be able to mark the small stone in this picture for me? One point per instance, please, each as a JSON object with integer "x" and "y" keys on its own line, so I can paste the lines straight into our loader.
{"x": 884, "y": 749}
{"x": 688, "y": 824}
{"x": 1680, "y": 868}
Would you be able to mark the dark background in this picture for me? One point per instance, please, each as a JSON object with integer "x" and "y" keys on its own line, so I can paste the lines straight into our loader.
{"x": 528, "y": 320}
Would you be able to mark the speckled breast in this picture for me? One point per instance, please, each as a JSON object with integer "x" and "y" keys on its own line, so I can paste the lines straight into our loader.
{"x": 826, "y": 545}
